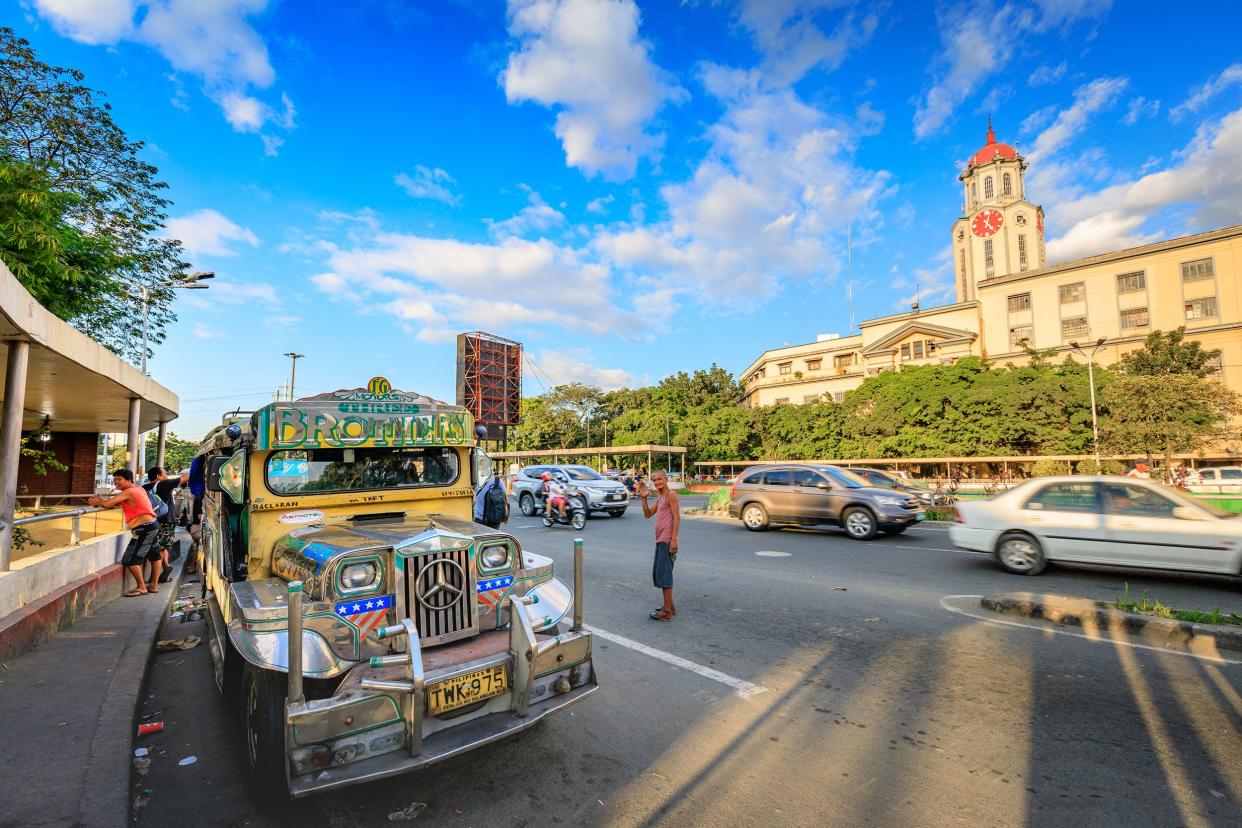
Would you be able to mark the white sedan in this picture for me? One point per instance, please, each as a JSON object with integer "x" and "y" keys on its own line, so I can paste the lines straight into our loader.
{"x": 1100, "y": 520}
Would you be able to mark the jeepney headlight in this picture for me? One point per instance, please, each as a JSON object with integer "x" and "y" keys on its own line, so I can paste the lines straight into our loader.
{"x": 495, "y": 556}
{"x": 359, "y": 575}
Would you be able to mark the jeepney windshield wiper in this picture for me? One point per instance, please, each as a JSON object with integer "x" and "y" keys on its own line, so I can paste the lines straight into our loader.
{"x": 377, "y": 517}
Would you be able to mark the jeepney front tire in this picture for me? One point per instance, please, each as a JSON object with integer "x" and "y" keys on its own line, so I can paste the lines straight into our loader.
{"x": 527, "y": 504}
{"x": 263, "y": 721}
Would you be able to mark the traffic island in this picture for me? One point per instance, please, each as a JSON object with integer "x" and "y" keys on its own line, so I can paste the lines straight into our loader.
{"x": 1100, "y": 618}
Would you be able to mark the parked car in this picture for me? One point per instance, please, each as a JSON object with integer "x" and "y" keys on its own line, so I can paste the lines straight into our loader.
{"x": 808, "y": 495}
{"x": 602, "y": 495}
{"x": 888, "y": 480}
{"x": 1100, "y": 520}
{"x": 1223, "y": 479}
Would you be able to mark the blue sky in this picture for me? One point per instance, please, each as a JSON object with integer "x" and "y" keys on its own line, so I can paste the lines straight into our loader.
{"x": 630, "y": 189}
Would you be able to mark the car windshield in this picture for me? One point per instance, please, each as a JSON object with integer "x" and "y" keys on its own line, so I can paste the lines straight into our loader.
{"x": 582, "y": 473}
{"x": 352, "y": 469}
{"x": 847, "y": 479}
{"x": 879, "y": 478}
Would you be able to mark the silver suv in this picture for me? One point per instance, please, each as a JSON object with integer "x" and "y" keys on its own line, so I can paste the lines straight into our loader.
{"x": 805, "y": 494}
{"x": 601, "y": 494}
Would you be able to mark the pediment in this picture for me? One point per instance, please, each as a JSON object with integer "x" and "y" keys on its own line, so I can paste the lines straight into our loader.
{"x": 940, "y": 333}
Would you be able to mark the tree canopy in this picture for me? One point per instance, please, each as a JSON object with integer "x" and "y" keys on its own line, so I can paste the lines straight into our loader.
{"x": 80, "y": 213}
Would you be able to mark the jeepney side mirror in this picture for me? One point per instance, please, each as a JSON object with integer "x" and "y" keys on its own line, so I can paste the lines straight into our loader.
{"x": 214, "y": 464}
{"x": 482, "y": 466}
{"x": 228, "y": 475}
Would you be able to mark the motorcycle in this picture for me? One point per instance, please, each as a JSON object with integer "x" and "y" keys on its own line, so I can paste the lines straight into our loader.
{"x": 575, "y": 511}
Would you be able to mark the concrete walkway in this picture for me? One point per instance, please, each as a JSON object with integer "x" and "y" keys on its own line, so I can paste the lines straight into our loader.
{"x": 67, "y": 714}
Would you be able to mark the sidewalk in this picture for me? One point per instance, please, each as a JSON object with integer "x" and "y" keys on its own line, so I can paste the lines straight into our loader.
{"x": 67, "y": 715}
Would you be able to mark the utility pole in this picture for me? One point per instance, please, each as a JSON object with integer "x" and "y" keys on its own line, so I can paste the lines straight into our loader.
{"x": 1095, "y": 424}
{"x": 293, "y": 370}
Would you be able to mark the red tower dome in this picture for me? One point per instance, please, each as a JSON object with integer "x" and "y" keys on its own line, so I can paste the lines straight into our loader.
{"x": 992, "y": 150}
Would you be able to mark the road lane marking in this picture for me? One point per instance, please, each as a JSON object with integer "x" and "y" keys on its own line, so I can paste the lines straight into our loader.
{"x": 742, "y": 687}
{"x": 771, "y": 553}
{"x": 1095, "y": 639}
{"x": 932, "y": 548}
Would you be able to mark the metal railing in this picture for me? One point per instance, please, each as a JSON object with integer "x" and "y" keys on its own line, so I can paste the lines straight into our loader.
{"x": 75, "y": 527}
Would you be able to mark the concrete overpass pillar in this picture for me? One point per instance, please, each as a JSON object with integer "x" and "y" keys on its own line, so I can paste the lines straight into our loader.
{"x": 135, "y": 411}
{"x": 10, "y": 443}
{"x": 159, "y": 444}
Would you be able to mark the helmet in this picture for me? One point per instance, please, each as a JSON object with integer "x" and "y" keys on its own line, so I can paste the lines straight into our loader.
{"x": 546, "y": 476}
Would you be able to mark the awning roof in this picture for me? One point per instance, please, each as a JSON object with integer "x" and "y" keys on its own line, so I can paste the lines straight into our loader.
{"x": 72, "y": 382}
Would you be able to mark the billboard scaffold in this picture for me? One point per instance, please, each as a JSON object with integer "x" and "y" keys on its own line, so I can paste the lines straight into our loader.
{"x": 489, "y": 381}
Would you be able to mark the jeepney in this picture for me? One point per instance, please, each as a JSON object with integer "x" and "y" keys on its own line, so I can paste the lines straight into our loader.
{"x": 366, "y": 624}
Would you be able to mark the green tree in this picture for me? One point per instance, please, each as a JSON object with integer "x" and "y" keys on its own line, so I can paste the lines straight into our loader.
{"x": 1165, "y": 414}
{"x": 178, "y": 453}
{"x": 59, "y": 128}
{"x": 1165, "y": 353}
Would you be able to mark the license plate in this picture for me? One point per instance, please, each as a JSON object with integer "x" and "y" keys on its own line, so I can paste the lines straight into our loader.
{"x": 615, "y": 497}
{"x": 920, "y": 516}
{"x": 466, "y": 689}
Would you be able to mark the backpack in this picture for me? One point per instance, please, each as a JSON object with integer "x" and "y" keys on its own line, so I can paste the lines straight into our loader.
{"x": 157, "y": 504}
{"x": 494, "y": 504}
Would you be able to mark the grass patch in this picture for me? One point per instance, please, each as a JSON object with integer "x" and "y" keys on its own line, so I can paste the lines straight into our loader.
{"x": 942, "y": 513}
{"x": 1145, "y": 606}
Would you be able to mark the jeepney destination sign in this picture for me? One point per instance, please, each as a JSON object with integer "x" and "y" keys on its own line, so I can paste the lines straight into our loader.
{"x": 373, "y": 417}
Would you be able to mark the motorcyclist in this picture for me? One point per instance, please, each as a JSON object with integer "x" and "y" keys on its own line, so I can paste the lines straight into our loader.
{"x": 558, "y": 494}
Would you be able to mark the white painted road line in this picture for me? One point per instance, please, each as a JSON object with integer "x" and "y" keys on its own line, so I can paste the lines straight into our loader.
{"x": 1036, "y": 626}
{"x": 743, "y": 688}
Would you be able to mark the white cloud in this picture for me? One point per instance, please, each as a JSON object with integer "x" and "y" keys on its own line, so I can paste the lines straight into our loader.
{"x": 1203, "y": 181}
{"x": 1088, "y": 99}
{"x": 535, "y": 217}
{"x": 201, "y": 331}
{"x": 282, "y": 322}
{"x": 208, "y": 233}
{"x": 224, "y": 292}
{"x": 976, "y": 47}
{"x": 562, "y": 368}
{"x": 768, "y": 203}
{"x": 1231, "y": 76}
{"x": 599, "y": 205}
{"x": 1140, "y": 108}
{"x": 430, "y": 183}
{"x": 792, "y": 42}
{"x": 210, "y": 39}
{"x": 1048, "y": 75}
{"x": 585, "y": 58}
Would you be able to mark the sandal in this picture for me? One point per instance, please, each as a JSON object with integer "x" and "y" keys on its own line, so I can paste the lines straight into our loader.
{"x": 659, "y": 615}
{"x": 134, "y": 593}
{"x": 661, "y": 609}
{"x": 170, "y": 644}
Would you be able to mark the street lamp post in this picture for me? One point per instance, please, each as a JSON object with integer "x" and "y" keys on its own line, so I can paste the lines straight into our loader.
{"x": 293, "y": 370}
{"x": 1095, "y": 423}
{"x": 190, "y": 282}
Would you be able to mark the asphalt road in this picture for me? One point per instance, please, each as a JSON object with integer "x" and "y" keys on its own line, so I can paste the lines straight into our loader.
{"x": 869, "y": 703}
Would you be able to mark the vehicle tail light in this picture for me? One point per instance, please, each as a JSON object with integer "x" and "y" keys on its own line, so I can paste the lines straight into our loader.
{"x": 733, "y": 487}
{"x": 957, "y": 515}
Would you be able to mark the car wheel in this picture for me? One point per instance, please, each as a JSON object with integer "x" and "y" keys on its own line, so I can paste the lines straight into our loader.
{"x": 859, "y": 523}
{"x": 1020, "y": 554}
{"x": 263, "y": 717}
{"x": 527, "y": 504}
{"x": 754, "y": 517}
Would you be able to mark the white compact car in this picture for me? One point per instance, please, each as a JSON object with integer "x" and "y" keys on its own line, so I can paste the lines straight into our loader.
{"x": 1100, "y": 520}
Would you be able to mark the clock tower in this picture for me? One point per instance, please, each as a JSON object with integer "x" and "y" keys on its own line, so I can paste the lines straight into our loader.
{"x": 999, "y": 232}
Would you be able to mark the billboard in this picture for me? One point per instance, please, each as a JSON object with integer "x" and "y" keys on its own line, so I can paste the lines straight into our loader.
{"x": 489, "y": 380}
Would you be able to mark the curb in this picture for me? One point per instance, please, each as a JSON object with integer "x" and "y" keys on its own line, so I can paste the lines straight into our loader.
{"x": 1093, "y": 615}
{"x": 105, "y": 796}
{"x": 25, "y": 629}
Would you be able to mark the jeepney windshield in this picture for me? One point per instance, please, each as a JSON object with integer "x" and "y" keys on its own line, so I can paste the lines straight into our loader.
{"x": 305, "y": 471}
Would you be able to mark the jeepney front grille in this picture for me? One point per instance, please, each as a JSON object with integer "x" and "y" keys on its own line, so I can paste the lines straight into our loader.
{"x": 439, "y": 595}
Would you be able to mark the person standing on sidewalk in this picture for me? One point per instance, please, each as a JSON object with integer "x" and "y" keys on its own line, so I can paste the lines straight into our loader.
{"x": 491, "y": 504}
{"x": 139, "y": 517}
{"x": 667, "y": 513}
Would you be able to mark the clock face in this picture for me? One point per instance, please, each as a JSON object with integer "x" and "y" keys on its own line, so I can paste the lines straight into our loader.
{"x": 987, "y": 222}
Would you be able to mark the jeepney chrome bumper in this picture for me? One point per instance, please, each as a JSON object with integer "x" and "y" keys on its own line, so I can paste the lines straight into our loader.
{"x": 378, "y": 724}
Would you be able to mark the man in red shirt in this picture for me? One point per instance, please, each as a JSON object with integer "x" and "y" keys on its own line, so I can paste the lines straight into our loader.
{"x": 139, "y": 517}
{"x": 667, "y": 512}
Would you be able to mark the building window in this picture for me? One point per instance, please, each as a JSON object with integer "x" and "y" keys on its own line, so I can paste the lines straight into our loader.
{"x": 785, "y": 368}
{"x": 974, "y": 193}
{"x": 1133, "y": 319}
{"x": 905, "y": 351}
{"x": 1073, "y": 328}
{"x": 1215, "y": 366}
{"x": 931, "y": 347}
{"x": 961, "y": 268}
{"x": 814, "y": 364}
{"x": 810, "y": 398}
{"x": 987, "y": 188}
{"x": 781, "y": 401}
{"x": 842, "y": 362}
{"x": 1019, "y": 302}
{"x": 987, "y": 256}
{"x": 1076, "y": 292}
{"x": 838, "y": 396}
{"x": 1201, "y": 308}
{"x": 1022, "y": 251}
{"x": 1197, "y": 270}
{"x": 918, "y": 349}
{"x": 1007, "y": 184}
{"x": 1130, "y": 282}
{"x": 1020, "y": 337}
